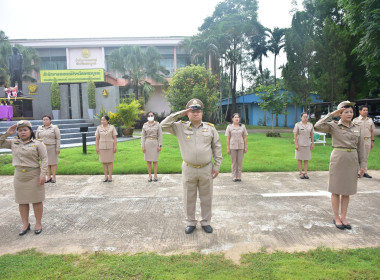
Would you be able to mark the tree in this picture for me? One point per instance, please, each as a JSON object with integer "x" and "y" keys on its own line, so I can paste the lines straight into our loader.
{"x": 363, "y": 19}
{"x": 231, "y": 23}
{"x": 137, "y": 65}
{"x": 193, "y": 82}
{"x": 55, "y": 96}
{"x": 300, "y": 51}
{"x": 331, "y": 76}
{"x": 5, "y": 51}
{"x": 91, "y": 94}
{"x": 275, "y": 44}
{"x": 259, "y": 47}
{"x": 271, "y": 100}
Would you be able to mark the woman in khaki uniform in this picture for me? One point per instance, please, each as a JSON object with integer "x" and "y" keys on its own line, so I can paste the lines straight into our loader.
{"x": 304, "y": 142}
{"x": 29, "y": 175}
{"x": 106, "y": 144}
{"x": 347, "y": 155}
{"x": 151, "y": 144}
{"x": 236, "y": 145}
{"x": 51, "y": 137}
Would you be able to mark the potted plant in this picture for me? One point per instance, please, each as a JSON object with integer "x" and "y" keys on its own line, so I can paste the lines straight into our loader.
{"x": 116, "y": 122}
{"x": 129, "y": 113}
{"x": 55, "y": 99}
{"x": 91, "y": 98}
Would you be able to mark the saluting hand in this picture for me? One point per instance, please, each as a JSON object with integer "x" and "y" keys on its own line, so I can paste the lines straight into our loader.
{"x": 215, "y": 173}
{"x": 12, "y": 129}
{"x": 184, "y": 112}
{"x": 337, "y": 112}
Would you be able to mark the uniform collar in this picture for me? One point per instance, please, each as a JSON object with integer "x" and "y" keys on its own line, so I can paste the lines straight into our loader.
{"x": 191, "y": 126}
{"x": 341, "y": 123}
{"x": 361, "y": 118}
{"x": 48, "y": 126}
{"x": 30, "y": 140}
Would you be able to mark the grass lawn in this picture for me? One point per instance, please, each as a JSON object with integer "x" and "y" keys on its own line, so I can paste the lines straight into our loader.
{"x": 315, "y": 264}
{"x": 264, "y": 154}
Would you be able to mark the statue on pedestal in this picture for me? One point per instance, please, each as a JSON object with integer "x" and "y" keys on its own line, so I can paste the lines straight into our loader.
{"x": 16, "y": 68}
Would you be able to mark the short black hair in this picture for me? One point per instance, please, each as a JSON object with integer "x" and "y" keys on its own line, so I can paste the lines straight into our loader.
{"x": 147, "y": 114}
{"x": 363, "y": 106}
{"x": 46, "y": 116}
{"x": 304, "y": 113}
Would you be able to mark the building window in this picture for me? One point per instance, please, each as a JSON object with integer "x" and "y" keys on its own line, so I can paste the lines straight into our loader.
{"x": 53, "y": 63}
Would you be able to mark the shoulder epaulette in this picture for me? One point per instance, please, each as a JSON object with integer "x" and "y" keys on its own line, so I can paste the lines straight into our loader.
{"x": 336, "y": 122}
{"x": 39, "y": 139}
{"x": 211, "y": 124}
{"x": 183, "y": 121}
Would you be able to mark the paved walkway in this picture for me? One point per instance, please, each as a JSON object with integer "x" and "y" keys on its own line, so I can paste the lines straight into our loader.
{"x": 275, "y": 211}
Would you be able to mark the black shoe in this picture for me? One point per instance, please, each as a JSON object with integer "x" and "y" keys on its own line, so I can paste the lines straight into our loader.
{"x": 53, "y": 181}
{"x": 238, "y": 180}
{"x": 48, "y": 181}
{"x": 358, "y": 175}
{"x": 207, "y": 229}
{"x": 24, "y": 231}
{"x": 367, "y": 175}
{"x": 150, "y": 180}
{"x": 234, "y": 180}
{"x": 302, "y": 176}
{"x": 109, "y": 180}
{"x": 347, "y": 226}
{"x": 338, "y": 226}
{"x": 38, "y": 231}
{"x": 189, "y": 229}
{"x": 305, "y": 176}
{"x": 155, "y": 180}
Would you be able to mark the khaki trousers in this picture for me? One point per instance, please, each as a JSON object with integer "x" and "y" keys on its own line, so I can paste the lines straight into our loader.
{"x": 196, "y": 180}
{"x": 367, "y": 149}
{"x": 236, "y": 162}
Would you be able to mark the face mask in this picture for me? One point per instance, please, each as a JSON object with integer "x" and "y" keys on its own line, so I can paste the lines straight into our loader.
{"x": 150, "y": 119}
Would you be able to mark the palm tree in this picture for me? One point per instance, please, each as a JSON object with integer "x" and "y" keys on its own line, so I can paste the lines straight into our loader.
{"x": 137, "y": 64}
{"x": 259, "y": 46}
{"x": 276, "y": 43}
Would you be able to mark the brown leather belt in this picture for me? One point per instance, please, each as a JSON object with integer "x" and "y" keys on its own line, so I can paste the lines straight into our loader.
{"x": 196, "y": 166}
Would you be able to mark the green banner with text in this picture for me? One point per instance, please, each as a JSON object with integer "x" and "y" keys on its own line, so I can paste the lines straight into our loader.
{"x": 72, "y": 76}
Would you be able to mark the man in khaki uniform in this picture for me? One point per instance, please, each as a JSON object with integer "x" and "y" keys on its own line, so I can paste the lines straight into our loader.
{"x": 199, "y": 142}
{"x": 367, "y": 134}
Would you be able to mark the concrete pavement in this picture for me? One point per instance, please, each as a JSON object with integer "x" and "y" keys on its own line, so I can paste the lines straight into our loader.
{"x": 275, "y": 211}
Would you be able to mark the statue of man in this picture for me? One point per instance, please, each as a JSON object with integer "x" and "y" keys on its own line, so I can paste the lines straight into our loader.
{"x": 16, "y": 68}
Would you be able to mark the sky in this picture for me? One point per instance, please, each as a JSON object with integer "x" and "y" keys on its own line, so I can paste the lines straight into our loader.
{"x": 45, "y": 19}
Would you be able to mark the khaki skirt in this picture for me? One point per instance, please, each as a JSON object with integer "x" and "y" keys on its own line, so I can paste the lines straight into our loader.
{"x": 106, "y": 156}
{"x": 27, "y": 187}
{"x": 52, "y": 154}
{"x": 343, "y": 173}
{"x": 151, "y": 150}
{"x": 303, "y": 153}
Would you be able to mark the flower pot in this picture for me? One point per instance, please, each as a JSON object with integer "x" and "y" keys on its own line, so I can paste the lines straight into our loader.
{"x": 91, "y": 113}
{"x": 128, "y": 132}
{"x": 56, "y": 114}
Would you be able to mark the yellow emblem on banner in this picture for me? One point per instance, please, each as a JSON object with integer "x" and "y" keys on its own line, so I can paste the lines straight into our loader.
{"x": 105, "y": 92}
{"x": 32, "y": 89}
{"x": 188, "y": 137}
{"x": 85, "y": 53}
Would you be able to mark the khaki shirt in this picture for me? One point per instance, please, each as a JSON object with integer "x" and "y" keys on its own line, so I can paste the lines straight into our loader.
{"x": 304, "y": 133}
{"x": 153, "y": 132}
{"x": 236, "y": 135}
{"x": 197, "y": 145}
{"x": 343, "y": 136}
{"x": 105, "y": 136}
{"x": 50, "y": 135}
{"x": 26, "y": 154}
{"x": 367, "y": 126}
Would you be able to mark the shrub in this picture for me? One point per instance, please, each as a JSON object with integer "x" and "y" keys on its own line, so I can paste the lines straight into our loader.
{"x": 54, "y": 95}
{"x": 273, "y": 134}
{"x": 91, "y": 94}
